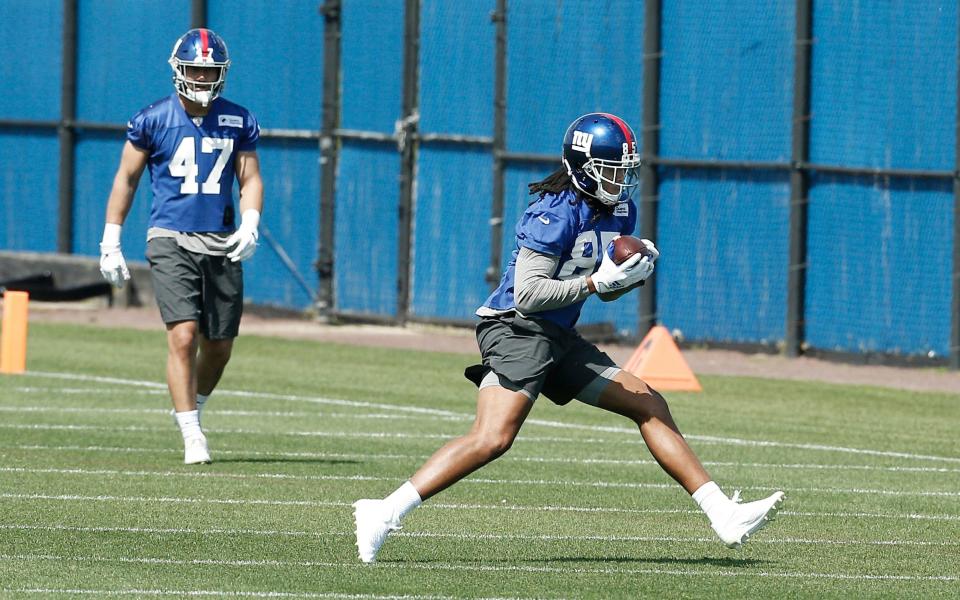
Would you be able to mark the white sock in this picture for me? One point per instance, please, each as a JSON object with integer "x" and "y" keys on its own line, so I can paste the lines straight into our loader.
{"x": 404, "y": 499}
{"x": 713, "y": 502}
{"x": 201, "y": 400}
{"x": 189, "y": 424}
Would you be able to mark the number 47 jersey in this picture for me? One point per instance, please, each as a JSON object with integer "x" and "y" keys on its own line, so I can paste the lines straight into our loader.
{"x": 191, "y": 161}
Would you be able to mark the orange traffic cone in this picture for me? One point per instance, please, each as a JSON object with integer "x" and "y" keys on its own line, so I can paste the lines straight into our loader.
{"x": 13, "y": 336}
{"x": 658, "y": 361}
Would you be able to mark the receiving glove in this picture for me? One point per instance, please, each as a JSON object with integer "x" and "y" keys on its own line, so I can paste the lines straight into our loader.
{"x": 611, "y": 277}
{"x": 112, "y": 265}
{"x": 655, "y": 254}
{"x": 245, "y": 237}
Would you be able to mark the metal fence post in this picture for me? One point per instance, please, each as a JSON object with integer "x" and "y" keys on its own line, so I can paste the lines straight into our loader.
{"x": 65, "y": 129}
{"x": 499, "y": 17}
{"x": 799, "y": 181}
{"x": 650, "y": 140}
{"x": 198, "y": 14}
{"x": 407, "y": 129}
{"x": 954, "y": 359}
{"x": 329, "y": 152}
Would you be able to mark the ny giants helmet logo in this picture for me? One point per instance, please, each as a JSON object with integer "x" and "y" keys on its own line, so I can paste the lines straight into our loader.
{"x": 582, "y": 142}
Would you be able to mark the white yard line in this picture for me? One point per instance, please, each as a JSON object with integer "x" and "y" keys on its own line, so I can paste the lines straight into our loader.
{"x": 546, "y": 423}
{"x": 460, "y": 567}
{"x": 228, "y": 413}
{"x": 138, "y": 593}
{"x": 474, "y": 480}
{"x": 438, "y": 505}
{"x": 508, "y": 458}
{"x": 464, "y": 536}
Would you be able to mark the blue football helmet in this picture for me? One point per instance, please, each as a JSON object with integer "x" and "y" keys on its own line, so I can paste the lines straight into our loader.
{"x": 199, "y": 48}
{"x": 600, "y": 154}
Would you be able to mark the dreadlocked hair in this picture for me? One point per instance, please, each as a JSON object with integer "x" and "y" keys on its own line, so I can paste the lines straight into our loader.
{"x": 554, "y": 183}
{"x": 560, "y": 181}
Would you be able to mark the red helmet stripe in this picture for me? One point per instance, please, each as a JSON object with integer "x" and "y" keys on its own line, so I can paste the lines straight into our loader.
{"x": 623, "y": 127}
{"x": 205, "y": 41}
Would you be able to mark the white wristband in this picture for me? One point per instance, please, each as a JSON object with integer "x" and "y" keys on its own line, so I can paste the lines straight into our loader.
{"x": 250, "y": 218}
{"x": 111, "y": 234}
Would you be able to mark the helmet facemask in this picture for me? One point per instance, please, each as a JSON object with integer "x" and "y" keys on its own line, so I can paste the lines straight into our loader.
{"x": 201, "y": 92}
{"x": 614, "y": 179}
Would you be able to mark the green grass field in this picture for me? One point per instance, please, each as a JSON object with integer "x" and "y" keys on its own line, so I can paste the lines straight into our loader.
{"x": 94, "y": 500}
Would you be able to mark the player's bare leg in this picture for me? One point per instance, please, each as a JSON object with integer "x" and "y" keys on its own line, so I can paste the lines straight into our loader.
{"x": 211, "y": 361}
{"x": 631, "y": 397}
{"x": 182, "y": 342}
{"x": 734, "y": 523}
{"x": 500, "y": 414}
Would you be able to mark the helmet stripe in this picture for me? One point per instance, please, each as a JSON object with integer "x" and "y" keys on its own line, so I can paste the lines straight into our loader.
{"x": 623, "y": 127}
{"x": 205, "y": 42}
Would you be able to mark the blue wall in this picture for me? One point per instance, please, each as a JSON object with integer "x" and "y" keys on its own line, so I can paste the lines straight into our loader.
{"x": 884, "y": 95}
{"x": 29, "y": 158}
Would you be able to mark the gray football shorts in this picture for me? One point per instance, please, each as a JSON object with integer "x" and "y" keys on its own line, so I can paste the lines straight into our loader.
{"x": 196, "y": 287}
{"x": 536, "y": 356}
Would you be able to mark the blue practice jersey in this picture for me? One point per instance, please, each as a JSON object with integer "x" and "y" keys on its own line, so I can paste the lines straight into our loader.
{"x": 192, "y": 166}
{"x": 564, "y": 225}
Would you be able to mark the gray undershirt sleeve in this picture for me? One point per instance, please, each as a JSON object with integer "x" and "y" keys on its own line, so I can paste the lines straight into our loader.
{"x": 534, "y": 288}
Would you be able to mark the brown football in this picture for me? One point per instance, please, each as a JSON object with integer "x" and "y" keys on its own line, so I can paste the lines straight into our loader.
{"x": 626, "y": 246}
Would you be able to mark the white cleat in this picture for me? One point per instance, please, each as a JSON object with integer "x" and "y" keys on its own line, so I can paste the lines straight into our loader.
{"x": 195, "y": 451}
{"x": 374, "y": 519}
{"x": 747, "y": 519}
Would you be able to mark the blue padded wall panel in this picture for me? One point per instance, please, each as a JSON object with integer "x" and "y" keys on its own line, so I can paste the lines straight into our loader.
{"x": 97, "y": 158}
{"x": 880, "y": 260}
{"x": 884, "y": 84}
{"x": 456, "y": 67}
{"x": 451, "y": 231}
{"x": 365, "y": 228}
{"x": 276, "y": 55}
{"x": 291, "y": 210}
{"x": 622, "y": 313}
{"x": 122, "y": 55}
{"x": 723, "y": 237}
{"x": 31, "y": 36}
{"x": 371, "y": 64}
{"x": 570, "y": 58}
{"x": 28, "y": 190}
{"x": 726, "y": 88}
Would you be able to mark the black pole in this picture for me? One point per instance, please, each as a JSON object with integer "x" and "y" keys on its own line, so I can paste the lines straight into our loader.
{"x": 329, "y": 152}
{"x": 198, "y": 14}
{"x": 799, "y": 181}
{"x": 406, "y": 139}
{"x": 499, "y": 17}
{"x": 65, "y": 131}
{"x": 650, "y": 141}
{"x": 955, "y": 301}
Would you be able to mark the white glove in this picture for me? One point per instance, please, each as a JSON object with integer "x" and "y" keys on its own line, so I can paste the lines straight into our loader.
{"x": 653, "y": 250}
{"x": 112, "y": 265}
{"x": 611, "y": 277}
{"x": 245, "y": 237}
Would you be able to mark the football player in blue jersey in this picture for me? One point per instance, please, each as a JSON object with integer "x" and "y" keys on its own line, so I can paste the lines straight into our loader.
{"x": 529, "y": 346}
{"x": 195, "y": 143}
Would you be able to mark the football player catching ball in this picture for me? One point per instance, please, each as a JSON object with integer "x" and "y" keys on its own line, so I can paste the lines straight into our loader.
{"x": 529, "y": 346}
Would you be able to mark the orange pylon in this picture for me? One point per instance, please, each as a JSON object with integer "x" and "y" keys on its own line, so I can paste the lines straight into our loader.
{"x": 13, "y": 337}
{"x": 658, "y": 361}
